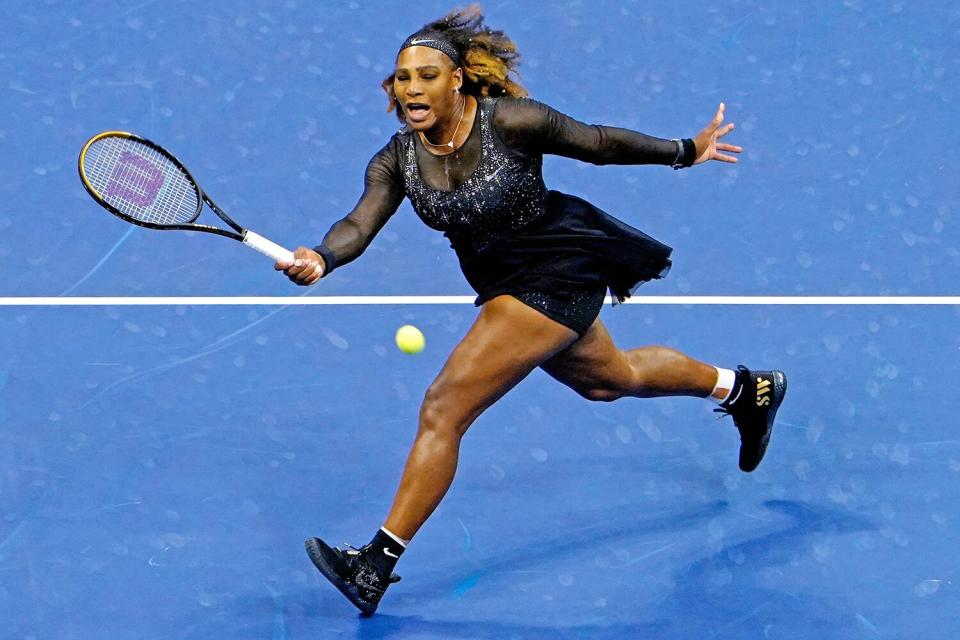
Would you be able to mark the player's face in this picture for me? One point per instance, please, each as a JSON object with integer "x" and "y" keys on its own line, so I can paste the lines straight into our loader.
{"x": 424, "y": 83}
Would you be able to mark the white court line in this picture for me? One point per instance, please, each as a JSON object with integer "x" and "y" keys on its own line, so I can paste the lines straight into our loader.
{"x": 128, "y": 301}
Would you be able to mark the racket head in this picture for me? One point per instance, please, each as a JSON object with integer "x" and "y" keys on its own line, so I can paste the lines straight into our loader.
{"x": 139, "y": 181}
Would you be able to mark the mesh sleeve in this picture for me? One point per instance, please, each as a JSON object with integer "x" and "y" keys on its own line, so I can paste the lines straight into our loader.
{"x": 382, "y": 195}
{"x": 537, "y": 128}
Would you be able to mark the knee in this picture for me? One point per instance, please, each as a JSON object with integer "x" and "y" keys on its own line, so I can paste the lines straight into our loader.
{"x": 438, "y": 415}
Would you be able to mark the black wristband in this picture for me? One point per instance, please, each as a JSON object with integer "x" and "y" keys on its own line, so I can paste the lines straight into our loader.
{"x": 689, "y": 152}
{"x": 676, "y": 161}
{"x": 329, "y": 260}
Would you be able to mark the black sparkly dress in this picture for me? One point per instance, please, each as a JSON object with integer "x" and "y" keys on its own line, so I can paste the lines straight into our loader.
{"x": 555, "y": 252}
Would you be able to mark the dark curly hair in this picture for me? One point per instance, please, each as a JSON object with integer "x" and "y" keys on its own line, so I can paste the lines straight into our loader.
{"x": 489, "y": 58}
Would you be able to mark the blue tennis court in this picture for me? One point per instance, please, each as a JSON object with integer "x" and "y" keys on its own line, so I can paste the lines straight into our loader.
{"x": 161, "y": 464}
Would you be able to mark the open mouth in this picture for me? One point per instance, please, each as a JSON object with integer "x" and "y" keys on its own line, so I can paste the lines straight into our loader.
{"x": 417, "y": 111}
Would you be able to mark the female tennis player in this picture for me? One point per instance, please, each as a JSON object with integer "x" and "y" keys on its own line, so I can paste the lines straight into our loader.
{"x": 469, "y": 158}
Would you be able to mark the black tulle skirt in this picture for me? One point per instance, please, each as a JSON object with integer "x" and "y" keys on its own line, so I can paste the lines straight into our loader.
{"x": 574, "y": 249}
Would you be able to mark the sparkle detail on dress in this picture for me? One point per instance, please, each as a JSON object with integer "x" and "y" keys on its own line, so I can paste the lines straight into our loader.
{"x": 504, "y": 193}
{"x": 576, "y": 310}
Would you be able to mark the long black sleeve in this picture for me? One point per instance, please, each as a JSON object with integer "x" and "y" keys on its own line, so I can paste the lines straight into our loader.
{"x": 538, "y": 128}
{"x": 382, "y": 194}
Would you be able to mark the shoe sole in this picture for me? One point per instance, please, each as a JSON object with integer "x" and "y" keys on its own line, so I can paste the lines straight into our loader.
{"x": 315, "y": 551}
{"x": 779, "y": 382}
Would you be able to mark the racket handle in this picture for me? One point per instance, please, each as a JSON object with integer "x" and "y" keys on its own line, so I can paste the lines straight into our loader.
{"x": 266, "y": 247}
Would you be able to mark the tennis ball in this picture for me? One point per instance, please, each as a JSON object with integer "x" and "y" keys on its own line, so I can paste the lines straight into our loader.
{"x": 410, "y": 339}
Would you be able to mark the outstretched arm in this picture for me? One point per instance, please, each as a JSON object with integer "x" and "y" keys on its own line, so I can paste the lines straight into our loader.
{"x": 539, "y": 128}
{"x": 350, "y": 236}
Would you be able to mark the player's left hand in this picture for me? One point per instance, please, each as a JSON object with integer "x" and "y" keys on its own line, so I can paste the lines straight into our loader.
{"x": 306, "y": 268}
{"x": 706, "y": 141}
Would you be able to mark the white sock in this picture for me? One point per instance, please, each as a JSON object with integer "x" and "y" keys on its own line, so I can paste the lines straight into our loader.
{"x": 400, "y": 541}
{"x": 725, "y": 381}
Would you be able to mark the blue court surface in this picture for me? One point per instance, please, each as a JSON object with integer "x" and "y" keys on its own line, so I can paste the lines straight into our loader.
{"x": 161, "y": 465}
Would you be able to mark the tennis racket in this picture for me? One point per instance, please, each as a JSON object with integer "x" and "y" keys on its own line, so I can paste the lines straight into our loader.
{"x": 143, "y": 183}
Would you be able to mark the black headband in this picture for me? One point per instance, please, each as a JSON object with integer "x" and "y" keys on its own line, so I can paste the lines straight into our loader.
{"x": 433, "y": 40}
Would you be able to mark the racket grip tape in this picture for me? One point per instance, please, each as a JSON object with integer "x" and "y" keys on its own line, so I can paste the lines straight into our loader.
{"x": 266, "y": 247}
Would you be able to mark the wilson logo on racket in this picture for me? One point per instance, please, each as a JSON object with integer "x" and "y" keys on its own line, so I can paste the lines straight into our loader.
{"x": 135, "y": 180}
{"x": 143, "y": 183}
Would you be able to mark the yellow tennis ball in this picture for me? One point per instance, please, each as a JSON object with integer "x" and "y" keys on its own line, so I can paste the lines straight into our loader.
{"x": 410, "y": 339}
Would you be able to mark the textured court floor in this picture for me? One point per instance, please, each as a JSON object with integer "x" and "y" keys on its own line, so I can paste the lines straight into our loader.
{"x": 161, "y": 466}
{"x": 160, "y": 477}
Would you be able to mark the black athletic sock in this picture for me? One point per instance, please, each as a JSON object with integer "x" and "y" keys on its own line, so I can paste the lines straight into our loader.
{"x": 384, "y": 552}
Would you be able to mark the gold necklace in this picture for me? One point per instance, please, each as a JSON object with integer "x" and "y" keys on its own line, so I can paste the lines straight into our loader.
{"x": 449, "y": 145}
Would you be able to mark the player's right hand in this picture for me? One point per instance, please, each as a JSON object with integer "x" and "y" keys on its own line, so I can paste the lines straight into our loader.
{"x": 306, "y": 268}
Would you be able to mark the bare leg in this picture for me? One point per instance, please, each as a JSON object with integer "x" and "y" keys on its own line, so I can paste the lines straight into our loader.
{"x": 507, "y": 341}
{"x": 594, "y": 367}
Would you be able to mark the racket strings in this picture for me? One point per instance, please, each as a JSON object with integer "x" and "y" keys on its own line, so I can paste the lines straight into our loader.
{"x": 140, "y": 182}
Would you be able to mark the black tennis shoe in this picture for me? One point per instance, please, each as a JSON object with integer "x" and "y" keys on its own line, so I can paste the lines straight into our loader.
{"x": 350, "y": 572}
{"x": 753, "y": 410}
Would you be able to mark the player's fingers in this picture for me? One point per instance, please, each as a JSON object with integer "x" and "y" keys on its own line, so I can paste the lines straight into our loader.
{"x": 310, "y": 273}
{"x": 299, "y": 256}
{"x": 295, "y": 269}
{"x": 304, "y": 265}
{"x": 310, "y": 267}
{"x": 729, "y": 147}
{"x": 724, "y": 158}
{"x": 306, "y": 262}
{"x": 717, "y": 119}
{"x": 308, "y": 279}
{"x": 297, "y": 280}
